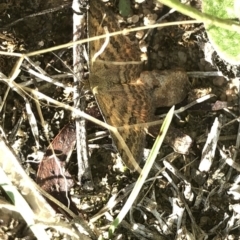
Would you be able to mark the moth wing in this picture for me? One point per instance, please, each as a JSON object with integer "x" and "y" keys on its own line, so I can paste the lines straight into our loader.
{"x": 125, "y": 105}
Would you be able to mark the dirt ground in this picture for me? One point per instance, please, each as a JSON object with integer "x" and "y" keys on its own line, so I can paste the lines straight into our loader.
{"x": 179, "y": 201}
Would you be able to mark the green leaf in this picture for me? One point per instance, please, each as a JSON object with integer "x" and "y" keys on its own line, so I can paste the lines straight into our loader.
{"x": 125, "y": 8}
{"x": 225, "y": 42}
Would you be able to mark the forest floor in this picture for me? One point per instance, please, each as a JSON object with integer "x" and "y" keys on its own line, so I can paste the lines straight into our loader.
{"x": 181, "y": 199}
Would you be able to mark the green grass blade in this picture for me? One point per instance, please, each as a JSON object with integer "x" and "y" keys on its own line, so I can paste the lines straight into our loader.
{"x": 142, "y": 177}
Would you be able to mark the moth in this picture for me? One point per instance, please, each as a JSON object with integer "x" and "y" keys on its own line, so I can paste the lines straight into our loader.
{"x": 113, "y": 79}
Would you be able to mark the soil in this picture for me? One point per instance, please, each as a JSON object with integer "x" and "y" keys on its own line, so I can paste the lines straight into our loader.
{"x": 207, "y": 199}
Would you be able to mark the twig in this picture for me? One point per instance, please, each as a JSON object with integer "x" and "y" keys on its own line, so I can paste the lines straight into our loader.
{"x": 51, "y": 10}
{"x": 84, "y": 170}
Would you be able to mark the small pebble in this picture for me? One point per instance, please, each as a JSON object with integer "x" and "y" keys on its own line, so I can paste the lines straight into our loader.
{"x": 144, "y": 57}
{"x": 153, "y": 55}
{"x": 219, "y": 81}
{"x": 133, "y": 19}
{"x": 136, "y": 6}
{"x": 139, "y": 34}
{"x": 139, "y": 1}
{"x": 41, "y": 43}
{"x": 155, "y": 47}
{"x": 146, "y": 11}
{"x": 159, "y": 65}
{"x": 150, "y": 19}
{"x": 223, "y": 97}
{"x": 231, "y": 95}
{"x": 182, "y": 56}
{"x": 161, "y": 54}
{"x": 143, "y": 46}
{"x": 158, "y": 6}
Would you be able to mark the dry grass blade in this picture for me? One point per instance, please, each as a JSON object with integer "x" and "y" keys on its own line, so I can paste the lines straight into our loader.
{"x": 40, "y": 209}
{"x": 209, "y": 149}
{"x": 144, "y": 173}
{"x": 182, "y": 191}
{"x": 22, "y": 206}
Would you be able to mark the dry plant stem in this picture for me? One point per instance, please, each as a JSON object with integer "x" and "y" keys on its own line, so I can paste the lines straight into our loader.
{"x": 38, "y": 68}
{"x": 206, "y": 18}
{"x": 131, "y": 228}
{"x": 4, "y": 98}
{"x": 125, "y": 31}
{"x": 204, "y": 74}
{"x": 161, "y": 170}
{"x": 38, "y": 203}
{"x": 84, "y": 170}
{"x": 179, "y": 175}
{"x": 151, "y": 206}
{"x": 209, "y": 148}
{"x": 114, "y": 130}
{"x": 198, "y": 232}
{"x": 15, "y": 129}
{"x": 51, "y": 10}
{"x": 49, "y": 143}
{"x": 182, "y": 109}
{"x": 33, "y": 122}
{"x": 230, "y": 112}
{"x": 102, "y": 49}
{"x": 16, "y": 87}
{"x": 140, "y": 230}
{"x": 175, "y": 171}
{"x": 30, "y": 115}
{"x": 150, "y": 31}
{"x": 237, "y": 143}
{"x": 41, "y": 117}
{"x": 46, "y": 78}
{"x": 147, "y": 167}
{"x": 30, "y": 190}
{"x": 112, "y": 202}
{"x": 21, "y": 206}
